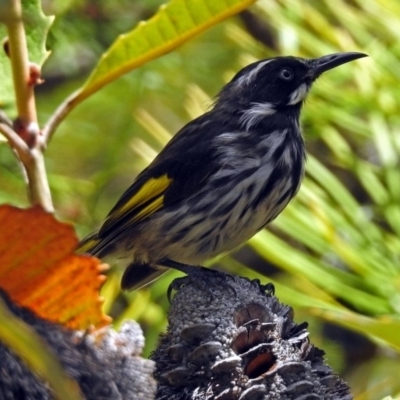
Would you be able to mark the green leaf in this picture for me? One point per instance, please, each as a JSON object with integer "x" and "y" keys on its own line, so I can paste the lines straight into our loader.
{"x": 383, "y": 328}
{"x": 383, "y": 138}
{"x": 335, "y": 281}
{"x": 173, "y": 25}
{"x": 6, "y": 82}
{"x": 36, "y": 26}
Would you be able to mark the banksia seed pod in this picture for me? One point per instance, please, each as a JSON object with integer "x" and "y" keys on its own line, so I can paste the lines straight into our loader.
{"x": 235, "y": 341}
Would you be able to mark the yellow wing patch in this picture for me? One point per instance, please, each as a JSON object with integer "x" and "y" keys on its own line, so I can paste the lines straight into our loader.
{"x": 151, "y": 192}
{"x": 152, "y": 188}
{"x": 148, "y": 210}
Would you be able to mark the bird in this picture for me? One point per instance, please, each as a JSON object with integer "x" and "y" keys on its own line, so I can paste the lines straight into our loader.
{"x": 222, "y": 178}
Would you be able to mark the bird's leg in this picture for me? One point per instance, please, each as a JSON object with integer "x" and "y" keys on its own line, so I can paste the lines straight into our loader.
{"x": 198, "y": 275}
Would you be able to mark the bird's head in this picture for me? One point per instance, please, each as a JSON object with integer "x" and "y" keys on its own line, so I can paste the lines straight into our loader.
{"x": 274, "y": 84}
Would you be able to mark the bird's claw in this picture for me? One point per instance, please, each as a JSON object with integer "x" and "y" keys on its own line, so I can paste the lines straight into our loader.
{"x": 268, "y": 288}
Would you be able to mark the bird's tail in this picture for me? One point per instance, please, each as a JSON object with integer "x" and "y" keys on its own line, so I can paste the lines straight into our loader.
{"x": 138, "y": 275}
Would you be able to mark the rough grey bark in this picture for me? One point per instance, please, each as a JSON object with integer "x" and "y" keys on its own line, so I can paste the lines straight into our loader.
{"x": 239, "y": 343}
{"x": 106, "y": 367}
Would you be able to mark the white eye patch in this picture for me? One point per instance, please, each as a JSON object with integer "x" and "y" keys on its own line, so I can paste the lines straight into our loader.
{"x": 251, "y": 75}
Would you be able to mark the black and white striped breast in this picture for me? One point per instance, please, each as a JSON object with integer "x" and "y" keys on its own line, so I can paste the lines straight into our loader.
{"x": 255, "y": 182}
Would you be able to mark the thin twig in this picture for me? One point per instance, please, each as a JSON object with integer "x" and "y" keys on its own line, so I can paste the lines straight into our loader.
{"x": 17, "y": 143}
{"x": 58, "y": 116}
{"x": 4, "y": 119}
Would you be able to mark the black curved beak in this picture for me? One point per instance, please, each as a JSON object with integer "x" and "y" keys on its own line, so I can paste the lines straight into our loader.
{"x": 325, "y": 63}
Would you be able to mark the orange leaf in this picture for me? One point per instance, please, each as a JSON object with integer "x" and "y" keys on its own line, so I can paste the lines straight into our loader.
{"x": 39, "y": 270}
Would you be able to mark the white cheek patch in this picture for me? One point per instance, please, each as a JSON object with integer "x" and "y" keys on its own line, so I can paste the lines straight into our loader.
{"x": 298, "y": 95}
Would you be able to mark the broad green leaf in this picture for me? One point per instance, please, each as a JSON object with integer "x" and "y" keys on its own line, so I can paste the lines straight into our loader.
{"x": 36, "y": 26}
{"x": 174, "y": 24}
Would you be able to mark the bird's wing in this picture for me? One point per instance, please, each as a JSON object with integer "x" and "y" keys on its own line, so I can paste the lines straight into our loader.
{"x": 144, "y": 197}
{"x": 177, "y": 173}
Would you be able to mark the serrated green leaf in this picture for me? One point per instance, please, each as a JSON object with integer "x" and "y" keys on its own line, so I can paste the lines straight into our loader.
{"x": 36, "y": 26}
{"x": 6, "y": 82}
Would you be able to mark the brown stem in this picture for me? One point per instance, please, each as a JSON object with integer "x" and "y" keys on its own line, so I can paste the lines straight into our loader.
{"x": 20, "y": 64}
{"x": 39, "y": 191}
{"x": 26, "y": 126}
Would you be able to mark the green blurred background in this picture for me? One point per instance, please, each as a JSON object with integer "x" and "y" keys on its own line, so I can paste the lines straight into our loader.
{"x": 346, "y": 219}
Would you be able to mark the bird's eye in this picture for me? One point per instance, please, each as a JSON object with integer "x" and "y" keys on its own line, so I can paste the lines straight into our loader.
{"x": 286, "y": 74}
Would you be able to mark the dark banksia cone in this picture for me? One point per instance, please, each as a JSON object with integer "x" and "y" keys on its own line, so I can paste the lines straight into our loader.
{"x": 106, "y": 365}
{"x": 244, "y": 346}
